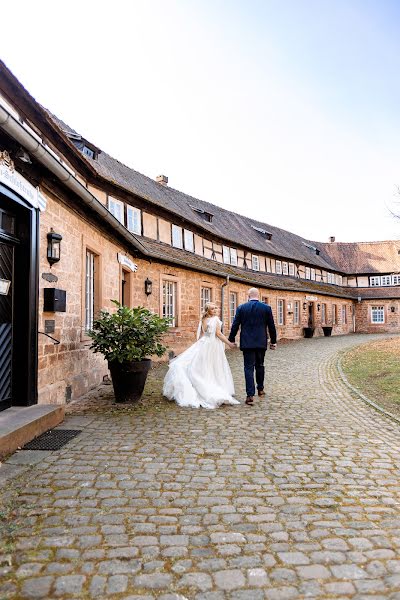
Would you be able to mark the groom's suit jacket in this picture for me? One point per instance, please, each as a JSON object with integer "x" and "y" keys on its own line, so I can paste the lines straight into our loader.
{"x": 255, "y": 320}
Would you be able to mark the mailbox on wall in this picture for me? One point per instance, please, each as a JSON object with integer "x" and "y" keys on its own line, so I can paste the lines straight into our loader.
{"x": 54, "y": 300}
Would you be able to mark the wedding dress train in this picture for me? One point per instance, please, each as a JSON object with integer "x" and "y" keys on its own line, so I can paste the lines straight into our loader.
{"x": 200, "y": 376}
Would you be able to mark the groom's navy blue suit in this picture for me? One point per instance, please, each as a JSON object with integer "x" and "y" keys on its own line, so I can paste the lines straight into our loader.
{"x": 255, "y": 320}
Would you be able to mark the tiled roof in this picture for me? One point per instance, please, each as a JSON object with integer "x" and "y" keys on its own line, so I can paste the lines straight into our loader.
{"x": 173, "y": 255}
{"x": 363, "y": 257}
{"x": 232, "y": 227}
{"x": 380, "y": 293}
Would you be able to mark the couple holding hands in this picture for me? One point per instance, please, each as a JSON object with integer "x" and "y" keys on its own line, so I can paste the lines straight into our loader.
{"x": 201, "y": 376}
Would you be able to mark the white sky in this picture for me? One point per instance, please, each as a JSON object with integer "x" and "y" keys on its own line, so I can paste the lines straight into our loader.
{"x": 285, "y": 111}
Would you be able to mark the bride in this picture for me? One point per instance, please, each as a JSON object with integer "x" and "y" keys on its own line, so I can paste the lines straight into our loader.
{"x": 200, "y": 376}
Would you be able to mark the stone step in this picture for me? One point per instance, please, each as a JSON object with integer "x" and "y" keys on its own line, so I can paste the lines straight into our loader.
{"x": 21, "y": 424}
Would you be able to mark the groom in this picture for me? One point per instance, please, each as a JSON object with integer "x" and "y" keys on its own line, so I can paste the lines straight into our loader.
{"x": 254, "y": 319}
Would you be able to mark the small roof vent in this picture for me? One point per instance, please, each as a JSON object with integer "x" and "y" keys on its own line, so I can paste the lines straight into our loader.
{"x": 267, "y": 234}
{"x": 313, "y": 248}
{"x": 207, "y": 216}
{"x": 163, "y": 179}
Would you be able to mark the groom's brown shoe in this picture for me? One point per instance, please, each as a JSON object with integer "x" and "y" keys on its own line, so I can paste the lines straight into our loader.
{"x": 261, "y": 393}
{"x": 249, "y": 400}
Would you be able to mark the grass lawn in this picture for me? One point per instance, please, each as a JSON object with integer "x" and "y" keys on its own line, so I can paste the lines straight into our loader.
{"x": 374, "y": 369}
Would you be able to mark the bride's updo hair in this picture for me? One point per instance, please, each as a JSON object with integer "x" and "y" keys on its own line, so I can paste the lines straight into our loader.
{"x": 206, "y": 312}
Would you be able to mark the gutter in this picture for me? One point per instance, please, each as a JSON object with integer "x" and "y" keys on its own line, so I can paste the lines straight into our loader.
{"x": 223, "y": 286}
{"x": 37, "y": 149}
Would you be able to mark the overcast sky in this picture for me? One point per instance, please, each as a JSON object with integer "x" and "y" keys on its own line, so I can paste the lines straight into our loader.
{"x": 287, "y": 111}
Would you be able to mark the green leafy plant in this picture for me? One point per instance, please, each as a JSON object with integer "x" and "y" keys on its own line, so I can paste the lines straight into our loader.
{"x": 128, "y": 334}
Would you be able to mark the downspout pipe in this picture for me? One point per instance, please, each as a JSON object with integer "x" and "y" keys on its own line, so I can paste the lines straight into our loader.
{"x": 223, "y": 286}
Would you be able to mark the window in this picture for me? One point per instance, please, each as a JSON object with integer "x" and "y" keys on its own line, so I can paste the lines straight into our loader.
{"x": 386, "y": 280}
{"x": 226, "y": 255}
{"x": 177, "y": 240}
{"x": 7, "y": 222}
{"x": 339, "y": 279}
{"x": 169, "y": 302}
{"x": 291, "y": 269}
{"x": 313, "y": 274}
{"x": 134, "y": 219}
{"x": 207, "y": 216}
{"x": 189, "y": 240}
{"x": 281, "y": 313}
{"x": 323, "y": 313}
{"x": 296, "y": 314}
{"x": 88, "y": 151}
{"x": 285, "y": 269}
{"x": 233, "y": 301}
{"x": 377, "y": 314}
{"x": 264, "y": 299}
{"x": 90, "y": 289}
{"x": 126, "y": 287}
{"x": 396, "y": 279}
{"x": 234, "y": 261}
{"x": 205, "y": 297}
{"x": 344, "y": 315}
{"x": 373, "y": 281}
{"x": 255, "y": 262}
{"x": 116, "y": 208}
{"x": 331, "y": 278}
{"x": 308, "y": 273}
{"x": 334, "y": 314}
{"x": 278, "y": 267}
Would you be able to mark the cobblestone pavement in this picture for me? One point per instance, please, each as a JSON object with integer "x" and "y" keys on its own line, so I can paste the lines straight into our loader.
{"x": 296, "y": 497}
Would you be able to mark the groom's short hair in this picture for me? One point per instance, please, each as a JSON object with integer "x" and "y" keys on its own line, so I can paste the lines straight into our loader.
{"x": 253, "y": 293}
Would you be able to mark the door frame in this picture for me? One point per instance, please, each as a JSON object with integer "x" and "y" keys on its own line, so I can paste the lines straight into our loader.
{"x": 26, "y": 290}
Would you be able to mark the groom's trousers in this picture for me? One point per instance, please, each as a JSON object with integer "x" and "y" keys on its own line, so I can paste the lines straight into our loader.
{"x": 254, "y": 360}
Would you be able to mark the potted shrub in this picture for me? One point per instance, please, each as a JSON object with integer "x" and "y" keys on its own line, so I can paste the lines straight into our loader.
{"x": 127, "y": 338}
{"x": 327, "y": 329}
{"x": 308, "y": 332}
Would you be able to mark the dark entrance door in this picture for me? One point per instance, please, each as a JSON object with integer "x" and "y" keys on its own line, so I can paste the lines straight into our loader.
{"x": 311, "y": 314}
{"x": 18, "y": 301}
{"x": 6, "y": 319}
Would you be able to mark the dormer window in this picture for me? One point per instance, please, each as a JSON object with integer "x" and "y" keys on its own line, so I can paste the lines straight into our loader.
{"x": 266, "y": 234}
{"x": 207, "y": 216}
{"x": 313, "y": 248}
{"x": 88, "y": 152}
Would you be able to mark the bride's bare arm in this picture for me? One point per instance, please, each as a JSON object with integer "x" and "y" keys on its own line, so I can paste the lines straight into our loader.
{"x": 224, "y": 339}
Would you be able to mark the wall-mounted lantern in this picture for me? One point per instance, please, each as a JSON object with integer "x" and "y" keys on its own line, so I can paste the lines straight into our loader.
{"x": 53, "y": 247}
{"x": 318, "y": 307}
{"x": 392, "y": 309}
{"x": 304, "y": 305}
{"x": 148, "y": 287}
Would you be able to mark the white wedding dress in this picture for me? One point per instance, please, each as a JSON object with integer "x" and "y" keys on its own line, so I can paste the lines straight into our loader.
{"x": 200, "y": 376}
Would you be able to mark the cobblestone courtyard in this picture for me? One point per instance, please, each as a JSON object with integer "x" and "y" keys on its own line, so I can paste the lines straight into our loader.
{"x": 296, "y": 497}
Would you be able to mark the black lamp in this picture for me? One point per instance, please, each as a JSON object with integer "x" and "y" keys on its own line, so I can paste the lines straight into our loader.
{"x": 53, "y": 247}
{"x": 148, "y": 286}
{"x": 304, "y": 305}
{"x": 318, "y": 307}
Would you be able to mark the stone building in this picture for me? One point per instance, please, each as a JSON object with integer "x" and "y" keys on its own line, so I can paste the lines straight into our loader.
{"x": 79, "y": 229}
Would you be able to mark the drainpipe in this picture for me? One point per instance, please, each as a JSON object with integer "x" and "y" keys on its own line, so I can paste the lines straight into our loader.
{"x": 223, "y": 286}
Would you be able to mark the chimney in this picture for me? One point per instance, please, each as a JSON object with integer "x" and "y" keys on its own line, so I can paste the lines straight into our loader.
{"x": 332, "y": 239}
{"x": 163, "y": 179}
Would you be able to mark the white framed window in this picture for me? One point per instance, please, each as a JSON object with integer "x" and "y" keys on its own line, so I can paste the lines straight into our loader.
{"x": 169, "y": 302}
{"x": 134, "y": 219}
{"x": 233, "y": 303}
{"x": 285, "y": 269}
{"x": 189, "y": 240}
{"x": 116, "y": 208}
{"x": 278, "y": 267}
{"x": 308, "y": 273}
{"x": 331, "y": 278}
{"x": 205, "y": 297}
{"x": 226, "y": 255}
{"x": 323, "y": 313}
{"x": 233, "y": 253}
{"x": 177, "y": 239}
{"x": 313, "y": 274}
{"x": 296, "y": 313}
{"x": 88, "y": 151}
{"x": 334, "y": 314}
{"x": 291, "y": 269}
{"x": 339, "y": 279}
{"x": 280, "y": 311}
{"x": 386, "y": 280}
{"x": 396, "y": 279}
{"x": 89, "y": 289}
{"x": 344, "y": 315}
{"x": 377, "y": 314}
{"x": 373, "y": 281}
{"x": 255, "y": 262}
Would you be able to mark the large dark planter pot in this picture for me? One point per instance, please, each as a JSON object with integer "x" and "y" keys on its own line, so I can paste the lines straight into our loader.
{"x": 327, "y": 331}
{"x": 129, "y": 378}
{"x": 308, "y": 332}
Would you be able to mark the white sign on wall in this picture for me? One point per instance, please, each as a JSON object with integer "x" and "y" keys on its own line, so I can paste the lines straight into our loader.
{"x": 126, "y": 262}
{"x": 18, "y": 184}
{"x": 4, "y": 286}
{"x": 311, "y": 298}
